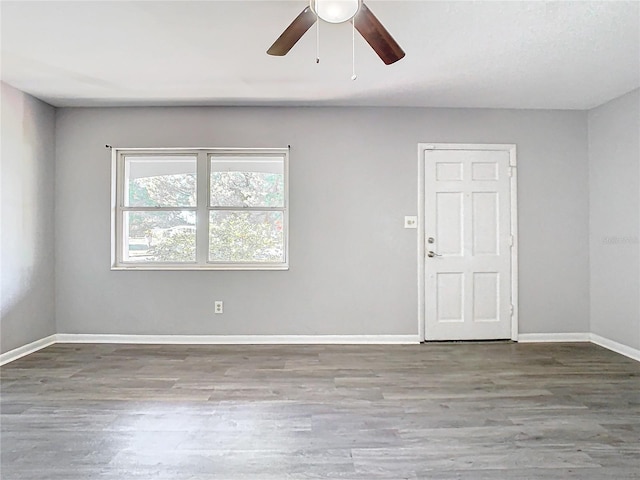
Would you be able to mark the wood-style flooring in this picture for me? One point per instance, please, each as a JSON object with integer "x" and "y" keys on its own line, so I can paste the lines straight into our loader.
{"x": 436, "y": 411}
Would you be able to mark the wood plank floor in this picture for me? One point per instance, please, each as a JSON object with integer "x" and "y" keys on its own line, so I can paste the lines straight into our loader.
{"x": 436, "y": 411}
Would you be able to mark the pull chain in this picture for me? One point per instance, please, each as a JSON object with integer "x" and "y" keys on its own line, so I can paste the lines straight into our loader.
{"x": 317, "y": 39}
{"x": 353, "y": 51}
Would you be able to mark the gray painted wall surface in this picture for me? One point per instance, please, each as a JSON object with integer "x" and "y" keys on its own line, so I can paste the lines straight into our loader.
{"x": 614, "y": 178}
{"x": 26, "y": 233}
{"x": 353, "y": 178}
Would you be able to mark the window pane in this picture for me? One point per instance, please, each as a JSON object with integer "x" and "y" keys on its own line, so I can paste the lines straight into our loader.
{"x": 246, "y": 236}
{"x": 249, "y": 181}
{"x": 160, "y": 181}
{"x": 159, "y": 236}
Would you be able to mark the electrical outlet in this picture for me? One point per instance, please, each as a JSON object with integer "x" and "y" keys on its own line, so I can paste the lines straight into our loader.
{"x": 218, "y": 307}
{"x": 411, "y": 222}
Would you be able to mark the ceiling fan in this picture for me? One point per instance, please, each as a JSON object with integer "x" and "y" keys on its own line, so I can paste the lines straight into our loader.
{"x": 340, "y": 11}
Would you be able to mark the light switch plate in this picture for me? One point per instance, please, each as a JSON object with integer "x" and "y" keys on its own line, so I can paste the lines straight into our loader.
{"x": 411, "y": 222}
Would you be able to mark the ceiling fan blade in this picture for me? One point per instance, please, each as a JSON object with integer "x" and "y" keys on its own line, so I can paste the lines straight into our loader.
{"x": 377, "y": 36}
{"x": 293, "y": 33}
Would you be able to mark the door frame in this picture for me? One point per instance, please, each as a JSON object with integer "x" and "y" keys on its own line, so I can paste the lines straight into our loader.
{"x": 511, "y": 148}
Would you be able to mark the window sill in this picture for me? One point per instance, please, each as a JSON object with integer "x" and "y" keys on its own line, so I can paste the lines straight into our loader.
{"x": 221, "y": 267}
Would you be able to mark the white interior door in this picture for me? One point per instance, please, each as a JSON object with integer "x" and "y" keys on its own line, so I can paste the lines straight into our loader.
{"x": 468, "y": 243}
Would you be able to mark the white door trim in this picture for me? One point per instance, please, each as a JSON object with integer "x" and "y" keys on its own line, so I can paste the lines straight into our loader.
{"x": 511, "y": 148}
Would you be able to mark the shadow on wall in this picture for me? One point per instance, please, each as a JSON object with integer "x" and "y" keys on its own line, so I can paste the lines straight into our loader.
{"x": 26, "y": 225}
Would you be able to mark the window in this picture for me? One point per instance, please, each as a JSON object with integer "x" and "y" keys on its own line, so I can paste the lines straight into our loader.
{"x": 200, "y": 209}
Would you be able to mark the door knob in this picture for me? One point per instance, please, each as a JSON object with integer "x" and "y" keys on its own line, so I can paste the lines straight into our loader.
{"x": 433, "y": 254}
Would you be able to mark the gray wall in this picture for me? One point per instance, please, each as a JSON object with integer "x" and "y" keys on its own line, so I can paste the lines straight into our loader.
{"x": 26, "y": 227}
{"x": 614, "y": 179}
{"x": 353, "y": 178}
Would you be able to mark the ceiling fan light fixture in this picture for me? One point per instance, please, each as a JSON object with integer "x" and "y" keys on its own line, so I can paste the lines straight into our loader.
{"x": 339, "y": 11}
{"x": 335, "y": 11}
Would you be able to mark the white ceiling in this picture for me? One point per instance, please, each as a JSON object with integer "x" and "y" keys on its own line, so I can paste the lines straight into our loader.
{"x": 514, "y": 54}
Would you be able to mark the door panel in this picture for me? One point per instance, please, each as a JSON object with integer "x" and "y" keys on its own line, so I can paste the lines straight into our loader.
{"x": 450, "y": 216}
{"x": 485, "y": 234}
{"x": 449, "y": 171}
{"x": 484, "y": 171}
{"x": 486, "y": 296}
{"x": 450, "y": 301}
{"x": 468, "y": 231}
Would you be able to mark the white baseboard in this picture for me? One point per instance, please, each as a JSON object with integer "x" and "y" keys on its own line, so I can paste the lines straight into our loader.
{"x": 625, "y": 350}
{"x": 239, "y": 339}
{"x": 612, "y": 345}
{"x": 553, "y": 337}
{"x": 20, "y": 352}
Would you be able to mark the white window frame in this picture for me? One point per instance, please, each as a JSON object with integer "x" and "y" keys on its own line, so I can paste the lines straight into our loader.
{"x": 202, "y": 208}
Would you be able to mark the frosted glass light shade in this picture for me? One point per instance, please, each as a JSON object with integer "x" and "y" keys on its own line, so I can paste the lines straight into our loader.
{"x": 335, "y": 11}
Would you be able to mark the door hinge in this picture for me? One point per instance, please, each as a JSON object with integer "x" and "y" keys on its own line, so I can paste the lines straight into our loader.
{"x": 511, "y": 240}
{"x": 511, "y": 170}
{"x": 511, "y": 309}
